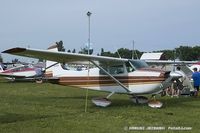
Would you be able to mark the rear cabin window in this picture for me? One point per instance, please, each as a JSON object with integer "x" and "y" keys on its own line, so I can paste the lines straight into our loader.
{"x": 116, "y": 69}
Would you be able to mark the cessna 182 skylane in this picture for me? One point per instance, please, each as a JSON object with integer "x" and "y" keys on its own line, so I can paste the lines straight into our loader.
{"x": 114, "y": 75}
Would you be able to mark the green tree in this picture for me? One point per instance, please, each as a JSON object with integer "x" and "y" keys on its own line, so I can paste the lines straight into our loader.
{"x": 124, "y": 53}
{"x": 74, "y": 51}
{"x": 169, "y": 54}
{"x": 85, "y": 51}
{"x": 185, "y": 53}
{"x": 102, "y": 50}
{"x": 1, "y": 59}
{"x": 196, "y": 53}
{"x": 108, "y": 53}
{"x": 60, "y": 46}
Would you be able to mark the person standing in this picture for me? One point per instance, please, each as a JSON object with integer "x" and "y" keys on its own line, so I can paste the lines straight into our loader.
{"x": 196, "y": 80}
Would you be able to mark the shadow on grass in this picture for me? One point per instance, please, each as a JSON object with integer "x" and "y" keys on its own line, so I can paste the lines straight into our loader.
{"x": 125, "y": 102}
{"x": 115, "y": 101}
{"x": 12, "y": 117}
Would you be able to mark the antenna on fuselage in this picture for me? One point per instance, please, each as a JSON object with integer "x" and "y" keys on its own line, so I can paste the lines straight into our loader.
{"x": 117, "y": 50}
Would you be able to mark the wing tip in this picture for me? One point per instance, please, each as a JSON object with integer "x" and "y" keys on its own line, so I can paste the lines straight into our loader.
{"x": 14, "y": 50}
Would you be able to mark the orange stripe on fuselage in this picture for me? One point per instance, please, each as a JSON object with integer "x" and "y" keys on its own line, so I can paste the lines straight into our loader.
{"x": 76, "y": 81}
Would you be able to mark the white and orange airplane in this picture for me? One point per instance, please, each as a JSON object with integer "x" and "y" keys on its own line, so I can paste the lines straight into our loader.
{"x": 114, "y": 75}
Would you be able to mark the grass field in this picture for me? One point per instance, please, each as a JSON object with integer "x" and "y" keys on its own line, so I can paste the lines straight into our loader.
{"x": 40, "y": 108}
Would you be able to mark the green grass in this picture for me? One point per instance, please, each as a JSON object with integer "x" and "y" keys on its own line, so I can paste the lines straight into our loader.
{"x": 39, "y": 108}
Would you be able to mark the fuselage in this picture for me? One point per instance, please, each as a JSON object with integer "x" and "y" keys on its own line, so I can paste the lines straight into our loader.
{"x": 138, "y": 79}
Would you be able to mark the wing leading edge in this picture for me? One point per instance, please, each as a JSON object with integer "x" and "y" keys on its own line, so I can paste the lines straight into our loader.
{"x": 60, "y": 56}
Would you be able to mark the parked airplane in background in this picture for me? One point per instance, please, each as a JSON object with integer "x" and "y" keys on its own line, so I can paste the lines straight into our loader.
{"x": 196, "y": 65}
{"x": 22, "y": 72}
{"x": 114, "y": 75}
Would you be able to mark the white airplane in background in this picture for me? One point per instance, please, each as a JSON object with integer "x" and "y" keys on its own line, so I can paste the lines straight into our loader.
{"x": 21, "y": 73}
{"x": 114, "y": 75}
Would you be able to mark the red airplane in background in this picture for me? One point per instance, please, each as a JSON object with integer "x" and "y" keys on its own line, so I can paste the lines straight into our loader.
{"x": 22, "y": 72}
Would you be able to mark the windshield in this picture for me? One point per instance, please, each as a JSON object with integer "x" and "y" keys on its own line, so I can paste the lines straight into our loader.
{"x": 138, "y": 64}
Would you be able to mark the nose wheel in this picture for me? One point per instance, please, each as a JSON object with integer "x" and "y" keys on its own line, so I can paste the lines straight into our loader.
{"x": 153, "y": 103}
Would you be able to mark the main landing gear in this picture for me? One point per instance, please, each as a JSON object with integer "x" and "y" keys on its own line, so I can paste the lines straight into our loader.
{"x": 153, "y": 103}
{"x": 139, "y": 99}
{"x": 102, "y": 102}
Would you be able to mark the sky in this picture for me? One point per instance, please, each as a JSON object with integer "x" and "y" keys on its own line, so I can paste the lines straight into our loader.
{"x": 152, "y": 24}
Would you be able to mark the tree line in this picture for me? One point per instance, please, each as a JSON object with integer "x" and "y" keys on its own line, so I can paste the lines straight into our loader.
{"x": 1, "y": 59}
{"x": 186, "y": 53}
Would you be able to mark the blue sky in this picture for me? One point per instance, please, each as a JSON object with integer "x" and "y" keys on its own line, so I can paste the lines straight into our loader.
{"x": 152, "y": 24}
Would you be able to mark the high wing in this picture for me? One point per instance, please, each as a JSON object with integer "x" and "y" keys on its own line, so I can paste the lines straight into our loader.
{"x": 64, "y": 57}
{"x": 61, "y": 57}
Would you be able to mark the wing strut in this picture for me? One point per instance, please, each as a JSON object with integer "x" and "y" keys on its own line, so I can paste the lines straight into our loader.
{"x": 117, "y": 81}
{"x": 51, "y": 65}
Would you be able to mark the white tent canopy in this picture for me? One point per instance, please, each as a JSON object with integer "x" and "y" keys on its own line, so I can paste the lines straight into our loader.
{"x": 151, "y": 56}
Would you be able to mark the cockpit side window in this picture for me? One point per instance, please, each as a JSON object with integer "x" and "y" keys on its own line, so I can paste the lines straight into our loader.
{"x": 115, "y": 69}
{"x": 137, "y": 64}
{"x": 129, "y": 67}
